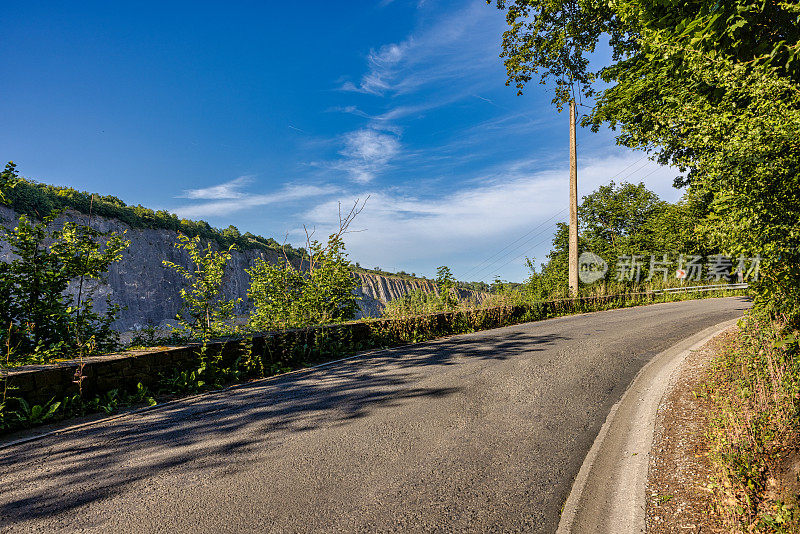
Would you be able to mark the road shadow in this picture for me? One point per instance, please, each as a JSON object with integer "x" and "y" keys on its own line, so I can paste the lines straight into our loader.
{"x": 221, "y": 431}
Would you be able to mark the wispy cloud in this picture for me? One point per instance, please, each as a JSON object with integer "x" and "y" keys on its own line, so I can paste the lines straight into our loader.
{"x": 405, "y": 231}
{"x": 353, "y": 110}
{"x": 485, "y": 99}
{"x": 225, "y": 205}
{"x": 382, "y": 64}
{"x": 452, "y": 49}
{"x": 221, "y": 191}
{"x": 366, "y": 153}
{"x": 444, "y": 60}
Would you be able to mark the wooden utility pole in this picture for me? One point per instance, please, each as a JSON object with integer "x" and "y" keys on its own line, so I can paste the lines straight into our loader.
{"x": 573, "y": 204}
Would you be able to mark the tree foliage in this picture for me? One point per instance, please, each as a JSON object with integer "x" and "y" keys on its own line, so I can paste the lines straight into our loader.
{"x": 618, "y": 221}
{"x": 284, "y": 296}
{"x": 8, "y": 179}
{"x": 710, "y": 87}
{"x": 555, "y": 39}
{"x": 446, "y": 285}
{"x": 45, "y": 321}
{"x": 205, "y": 312}
{"x": 321, "y": 291}
{"x": 613, "y": 218}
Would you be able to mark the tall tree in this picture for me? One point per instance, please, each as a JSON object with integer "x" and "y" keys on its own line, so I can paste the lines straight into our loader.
{"x": 614, "y": 217}
{"x": 710, "y": 87}
{"x": 205, "y": 312}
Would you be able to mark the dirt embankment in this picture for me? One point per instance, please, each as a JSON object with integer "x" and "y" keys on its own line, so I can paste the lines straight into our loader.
{"x": 678, "y": 496}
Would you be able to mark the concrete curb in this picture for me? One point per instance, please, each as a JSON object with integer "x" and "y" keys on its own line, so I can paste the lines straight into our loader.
{"x": 608, "y": 494}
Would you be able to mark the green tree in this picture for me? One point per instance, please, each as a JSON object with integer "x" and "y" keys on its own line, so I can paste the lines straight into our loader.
{"x": 612, "y": 217}
{"x": 555, "y": 39}
{"x": 446, "y": 285}
{"x": 285, "y": 296}
{"x": 8, "y": 179}
{"x": 318, "y": 291}
{"x": 45, "y": 320}
{"x": 710, "y": 87}
{"x": 617, "y": 220}
{"x": 205, "y": 312}
{"x": 551, "y": 280}
{"x": 275, "y": 290}
{"x": 330, "y": 296}
{"x": 232, "y": 233}
{"x": 751, "y": 182}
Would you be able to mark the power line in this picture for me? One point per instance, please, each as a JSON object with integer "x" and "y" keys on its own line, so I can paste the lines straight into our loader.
{"x": 625, "y": 178}
{"x": 491, "y": 260}
{"x": 521, "y": 255}
{"x": 628, "y": 167}
{"x": 516, "y": 249}
{"x": 479, "y": 266}
{"x": 543, "y": 241}
{"x": 651, "y": 172}
{"x": 483, "y": 265}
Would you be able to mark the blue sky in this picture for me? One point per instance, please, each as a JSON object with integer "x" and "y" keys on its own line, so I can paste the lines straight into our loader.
{"x": 266, "y": 116}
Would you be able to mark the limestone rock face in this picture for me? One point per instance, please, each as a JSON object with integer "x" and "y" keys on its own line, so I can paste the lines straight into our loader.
{"x": 149, "y": 293}
{"x": 377, "y": 290}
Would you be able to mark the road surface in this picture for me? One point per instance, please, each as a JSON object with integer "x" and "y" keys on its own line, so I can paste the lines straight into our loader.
{"x": 482, "y": 432}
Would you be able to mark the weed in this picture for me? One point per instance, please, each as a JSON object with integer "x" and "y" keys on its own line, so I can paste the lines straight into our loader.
{"x": 754, "y": 388}
{"x": 28, "y": 415}
{"x": 183, "y": 382}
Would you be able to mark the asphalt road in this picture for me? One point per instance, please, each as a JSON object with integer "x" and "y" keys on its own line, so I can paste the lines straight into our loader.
{"x": 482, "y": 432}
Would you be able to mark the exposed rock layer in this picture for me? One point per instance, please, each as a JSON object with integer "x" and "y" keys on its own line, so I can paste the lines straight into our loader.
{"x": 150, "y": 293}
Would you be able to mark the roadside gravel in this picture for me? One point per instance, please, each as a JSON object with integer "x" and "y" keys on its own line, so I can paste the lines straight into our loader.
{"x": 678, "y": 498}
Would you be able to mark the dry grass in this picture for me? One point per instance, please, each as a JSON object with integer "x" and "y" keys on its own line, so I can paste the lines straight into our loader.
{"x": 754, "y": 431}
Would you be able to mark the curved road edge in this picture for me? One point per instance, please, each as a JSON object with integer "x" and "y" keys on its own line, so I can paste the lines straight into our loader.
{"x": 608, "y": 494}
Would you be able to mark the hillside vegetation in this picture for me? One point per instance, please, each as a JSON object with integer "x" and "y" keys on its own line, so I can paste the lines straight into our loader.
{"x": 37, "y": 200}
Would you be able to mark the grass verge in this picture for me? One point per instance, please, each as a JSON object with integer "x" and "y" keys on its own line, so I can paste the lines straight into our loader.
{"x": 754, "y": 428}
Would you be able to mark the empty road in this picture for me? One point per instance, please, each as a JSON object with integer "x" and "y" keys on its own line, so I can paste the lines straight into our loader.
{"x": 482, "y": 432}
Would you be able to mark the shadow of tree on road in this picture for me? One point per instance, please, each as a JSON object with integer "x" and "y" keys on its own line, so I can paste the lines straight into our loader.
{"x": 222, "y": 431}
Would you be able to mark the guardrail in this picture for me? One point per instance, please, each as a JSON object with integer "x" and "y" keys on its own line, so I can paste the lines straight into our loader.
{"x": 714, "y": 287}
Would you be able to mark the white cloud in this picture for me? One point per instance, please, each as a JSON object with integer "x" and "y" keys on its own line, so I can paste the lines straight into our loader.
{"x": 453, "y": 49}
{"x": 228, "y": 205}
{"x": 353, "y": 110}
{"x": 221, "y": 191}
{"x": 465, "y": 226}
{"x": 381, "y": 63}
{"x": 389, "y": 55}
{"x": 367, "y": 152}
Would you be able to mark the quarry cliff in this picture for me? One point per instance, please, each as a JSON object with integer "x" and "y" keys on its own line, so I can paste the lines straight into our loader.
{"x": 149, "y": 293}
